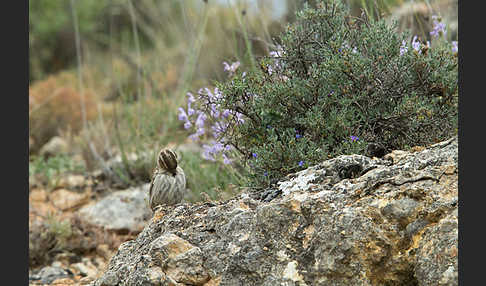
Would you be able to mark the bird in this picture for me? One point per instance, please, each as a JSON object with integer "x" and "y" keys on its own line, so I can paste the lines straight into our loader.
{"x": 168, "y": 183}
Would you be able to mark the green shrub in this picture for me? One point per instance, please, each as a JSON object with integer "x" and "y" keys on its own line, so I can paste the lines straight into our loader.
{"x": 48, "y": 170}
{"x": 337, "y": 84}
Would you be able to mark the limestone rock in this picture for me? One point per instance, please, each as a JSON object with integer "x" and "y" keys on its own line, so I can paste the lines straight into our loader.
{"x": 351, "y": 220}
{"x": 65, "y": 200}
{"x": 74, "y": 182}
{"x": 125, "y": 210}
{"x": 49, "y": 274}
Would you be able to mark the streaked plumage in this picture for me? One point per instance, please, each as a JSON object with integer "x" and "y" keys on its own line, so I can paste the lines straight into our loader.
{"x": 168, "y": 181}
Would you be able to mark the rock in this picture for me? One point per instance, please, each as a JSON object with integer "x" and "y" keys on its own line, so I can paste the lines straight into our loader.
{"x": 65, "y": 200}
{"x": 41, "y": 209}
{"x": 55, "y": 146}
{"x": 104, "y": 251}
{"x": 73, "y": 182}
{"x": 85, "y": 268}
{"x": 62, "y": 281}
{"x": 437, "y": 253}
{"x": 86, "y": 280}
{"x": 38, "y": 195}
{"x": 351, "y": 220}
{"x": 48, "y": 274}
{"x": 125, "y": 210}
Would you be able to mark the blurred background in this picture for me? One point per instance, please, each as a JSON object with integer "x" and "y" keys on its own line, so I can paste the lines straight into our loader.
{"x": 106, "y": 79}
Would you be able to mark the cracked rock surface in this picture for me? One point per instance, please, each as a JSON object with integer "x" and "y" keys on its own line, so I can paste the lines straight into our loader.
{"x": 351, "y": 220}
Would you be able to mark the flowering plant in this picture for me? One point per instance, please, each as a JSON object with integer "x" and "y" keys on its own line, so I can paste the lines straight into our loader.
{"x": 332, "y": 87}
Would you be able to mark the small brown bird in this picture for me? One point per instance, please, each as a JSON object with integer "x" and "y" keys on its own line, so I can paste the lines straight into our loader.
{"x": 168, "y": 181}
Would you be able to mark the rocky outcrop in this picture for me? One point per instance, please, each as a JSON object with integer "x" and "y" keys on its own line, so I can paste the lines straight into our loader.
{"x": 351, "y": 220}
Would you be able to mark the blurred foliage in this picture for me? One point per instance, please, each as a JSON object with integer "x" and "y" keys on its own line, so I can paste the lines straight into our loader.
{"x": 55, "y": 104}
{"x": 139, "y": 58}
{"x": 51, "y": 34}
{"x": 49, "y": 170}
{"x": 46, "y": 239}
{"x": 216, "y": 180}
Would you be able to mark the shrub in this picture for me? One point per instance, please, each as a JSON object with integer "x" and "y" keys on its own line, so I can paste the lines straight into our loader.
{"x": 48, "y": 170}
{"x": 336, "y": 84}
{"x": 46, "y": 238}
{"x": 55, "y": 106}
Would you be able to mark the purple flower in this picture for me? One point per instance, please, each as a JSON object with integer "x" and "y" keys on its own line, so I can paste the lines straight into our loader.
{"x": 439, "y": 27}
{"x": 232, "y": 68}
{"x": 239, "y": 118}
{"x": 190, "y": 97}
{"x": 207, "y": 152}
{"x": 214, "y": 111}
{"x": 416, "y": 44}
{"x": 200, "y": 119}
{"x": 265, "y": 173}
{"x": 187, "y": 125}
{"x": 301, "y": 163}
{"x": 190, "y": 111}
{"x": 278, "y": 53}
{"x": 218, "y": 128}
{"x": 217, "y": 147}
{"x": 209, "y": 94}
{"x": 182, "y": 114}
{"x": 354, "y": 138}
{"x": 331, "y": 93}
{"x": 217, "y": 93}
{"x": 195, "y": 136}
{"x": 226, "y": 113}
{"x": 403, "y": 48}
{"x": 254, "y": 155}
{"x": 454, "y": 47}
{"x": 298, "y": 136}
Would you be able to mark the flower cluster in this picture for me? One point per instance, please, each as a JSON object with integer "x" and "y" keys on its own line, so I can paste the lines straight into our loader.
{"x": 231, "y": 69}
{"x": 439, "y": 28}
{"x": 204, "y": 113}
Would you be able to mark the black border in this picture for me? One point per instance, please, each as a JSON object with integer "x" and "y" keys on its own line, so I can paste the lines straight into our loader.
{"x": 15, "y": 156}
{"x": 471, "y": 64}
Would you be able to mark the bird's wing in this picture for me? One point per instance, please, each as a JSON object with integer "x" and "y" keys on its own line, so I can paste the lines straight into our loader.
{"x": 152, "y": 183}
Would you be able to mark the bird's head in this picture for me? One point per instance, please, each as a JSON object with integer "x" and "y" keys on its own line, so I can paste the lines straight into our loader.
{"x": 167, "y": 160}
